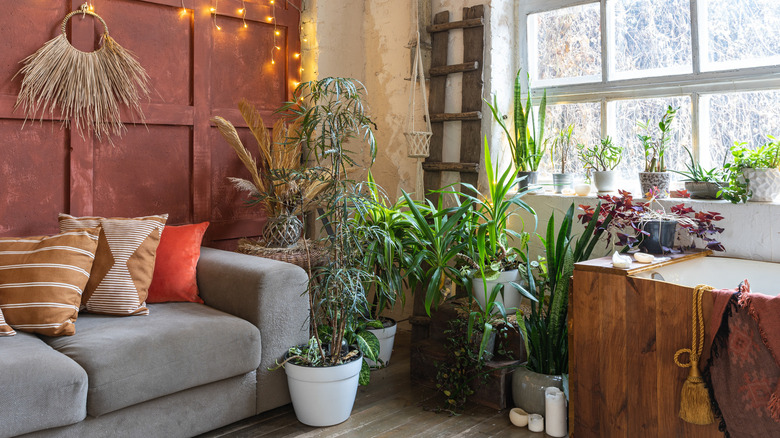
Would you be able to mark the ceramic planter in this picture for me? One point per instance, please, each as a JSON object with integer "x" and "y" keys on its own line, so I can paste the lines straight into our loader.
{"x": 703, "y": 189}
{"x": 386, "y": 338}
{"x": 582, "y": 189}
{"x": 528, "y": 389}
{"x": 510, "y": 299}
{"x": 659, "y": 180}
{"x": 562, "y": 181}
{"x": 764, "y": 184}
{"x": 662, "y": 234}
{"x": 529, "y": 180}
{"x": 605, "y": 181}
{"x": 323, "y": 396}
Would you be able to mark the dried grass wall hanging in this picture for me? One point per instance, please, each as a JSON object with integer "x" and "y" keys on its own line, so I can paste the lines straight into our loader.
{"x": 86, "y": 86}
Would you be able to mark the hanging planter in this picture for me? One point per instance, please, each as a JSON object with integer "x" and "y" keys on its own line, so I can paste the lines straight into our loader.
{"x": 419, "y": 142}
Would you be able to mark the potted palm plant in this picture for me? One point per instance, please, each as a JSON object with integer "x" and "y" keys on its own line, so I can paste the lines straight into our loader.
{"x": 699, "y": 182}
{"x": 491, "y": 262}
{"x": 753, "y": 173}
{"x": 323, "y": 374}
{"x": 526, "y": 139}
{"x": 559, "y": 152}
{"x": 601, "y": 159}
{"x": 654, "y": 145}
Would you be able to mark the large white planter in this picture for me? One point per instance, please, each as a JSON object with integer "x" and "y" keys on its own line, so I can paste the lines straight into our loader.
{"x": 323, "y": 396}
{"x": 763, "y": 183}
{"x": 386, "y": 338}
{"x": 511, "y": 299}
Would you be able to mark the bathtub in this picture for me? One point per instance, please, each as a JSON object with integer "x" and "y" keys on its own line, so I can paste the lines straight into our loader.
{"x": 720, "y": 273}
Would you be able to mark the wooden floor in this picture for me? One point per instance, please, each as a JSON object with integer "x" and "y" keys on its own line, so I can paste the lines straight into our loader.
{"x": 391, "y": 406}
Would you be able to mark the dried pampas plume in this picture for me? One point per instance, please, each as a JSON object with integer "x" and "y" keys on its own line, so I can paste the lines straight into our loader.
{"x": 85, "y": 86}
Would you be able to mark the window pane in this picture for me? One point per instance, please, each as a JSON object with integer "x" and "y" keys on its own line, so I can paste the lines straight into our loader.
{"x": 628, "y": 112}
{"x": 568, "y": 43}
{"x": 747, "y": 117}
{"x": 741, "y": 34}
{"x": 651, "y": 37}
{"x": 586, "y": 118}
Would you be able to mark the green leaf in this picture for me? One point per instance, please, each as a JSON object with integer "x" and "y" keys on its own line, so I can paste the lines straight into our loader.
{"x": 368, "y": 344}
{"x": 365, "y": 373}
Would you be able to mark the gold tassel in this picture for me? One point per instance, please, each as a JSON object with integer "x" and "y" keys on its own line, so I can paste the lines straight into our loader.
{"x": 695, "y": 406}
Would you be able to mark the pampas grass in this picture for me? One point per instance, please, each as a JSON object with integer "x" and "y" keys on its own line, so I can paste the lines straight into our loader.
{"x": 86, "y": 86}
{"x": 277, "y": 180}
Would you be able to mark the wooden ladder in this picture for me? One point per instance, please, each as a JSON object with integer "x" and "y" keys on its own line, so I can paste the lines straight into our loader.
{"x": 471, "y": 114}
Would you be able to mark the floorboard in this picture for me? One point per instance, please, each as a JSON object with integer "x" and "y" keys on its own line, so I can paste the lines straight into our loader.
{"x": 391, "y": 406}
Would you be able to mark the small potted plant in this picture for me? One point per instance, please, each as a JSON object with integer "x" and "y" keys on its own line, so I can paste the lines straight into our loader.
{"x": 655, "y": 145}
{"x": 601, "y": 159}
{"x": 753, "y": 175}
{"x": 559, "y": 152}
{"x": 699, "y": 182}
{"x": 526, "y": 139}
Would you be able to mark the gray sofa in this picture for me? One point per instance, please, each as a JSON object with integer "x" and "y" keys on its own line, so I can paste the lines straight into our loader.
{"x": 185, "y": 369}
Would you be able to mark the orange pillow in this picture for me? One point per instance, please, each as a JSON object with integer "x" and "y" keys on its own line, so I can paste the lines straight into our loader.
{"x": 174, "y": 269}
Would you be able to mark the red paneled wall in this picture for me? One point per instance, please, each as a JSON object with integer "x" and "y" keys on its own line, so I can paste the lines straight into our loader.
{"x": 177, "y": 163}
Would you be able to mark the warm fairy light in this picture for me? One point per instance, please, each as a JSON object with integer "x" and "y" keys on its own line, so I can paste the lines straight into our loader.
{"x": 245, "y": 26}
{"x": 91, "y": 7}
{"x": 295, "y": 84}
{"x": 277, "y": 48}
{"x": 273, "y": 62}
{"x": 269, "y": 19}
{"x": 219, "y": 28}
{"x": 241, "y": 11}
{"x": 213, "y": 10}
{"x": 296, "y": 55}
{"x": 277, "y": 33}
{"x": 305, "y": 40}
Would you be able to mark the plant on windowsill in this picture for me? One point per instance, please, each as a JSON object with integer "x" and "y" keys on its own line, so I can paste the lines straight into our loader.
{"x": 560, "y": 150}
{"x": 323, "y": 374}
{"x": 526, "y": 139}
{"x": 699, "y": 182}
{"x": 655, "y": 145}
{"x": 601, "y": 159}
{"x": 753, "y": 173}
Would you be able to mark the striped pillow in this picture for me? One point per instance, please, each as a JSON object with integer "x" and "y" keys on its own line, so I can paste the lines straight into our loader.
{"x": 124, "y": 262}
{"x": 5, "y": 329}
{"x": 42, "y": 279}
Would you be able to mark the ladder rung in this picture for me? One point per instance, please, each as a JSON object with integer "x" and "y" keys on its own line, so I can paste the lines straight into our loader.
{"x": 456, "y": 68}
{"x": 463, "y": 24}
{"x": 453, "y": 117}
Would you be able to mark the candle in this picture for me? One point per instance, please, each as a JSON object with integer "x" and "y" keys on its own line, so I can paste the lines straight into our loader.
{"x": 535, "y": 423}
{"x": 554, "y": 412}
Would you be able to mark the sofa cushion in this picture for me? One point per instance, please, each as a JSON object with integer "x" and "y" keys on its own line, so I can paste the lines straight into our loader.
{"x": 175, "y": 265}
{"x": 42, "y": 278}
{"x": 5, "y": 329}
{"x": 39, "y": 387}
{"x": 124, "y": 262}
{"x": 178, "y": 346}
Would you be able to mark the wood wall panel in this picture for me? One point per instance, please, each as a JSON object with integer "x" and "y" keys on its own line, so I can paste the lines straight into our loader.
{"x": 177, "y": 163}
{"x": 33, "y": 177}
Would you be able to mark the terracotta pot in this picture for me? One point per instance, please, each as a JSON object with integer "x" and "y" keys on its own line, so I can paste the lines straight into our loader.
{"x": 528, "y": 389}
{"x": 703, "y": 189}
{"x": 764, "y": 184}
{"x": 605, "y": 181}
{"x": 660, "y": 180}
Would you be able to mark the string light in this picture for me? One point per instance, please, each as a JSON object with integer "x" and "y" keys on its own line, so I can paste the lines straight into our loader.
{"x": 183, "y": 9}
{"x": 214, "y": 14}
{"x": 272, "y": 19}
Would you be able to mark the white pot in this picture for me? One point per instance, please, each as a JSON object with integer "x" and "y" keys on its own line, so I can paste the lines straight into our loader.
{"x": 582, "y": 189}
{"x": 763, "y": 183}
{"x": 605, "y": 181}
{"x": 323, "y": 396}
{"x": 510, "y": 300}
{"x": 386, "y": 338}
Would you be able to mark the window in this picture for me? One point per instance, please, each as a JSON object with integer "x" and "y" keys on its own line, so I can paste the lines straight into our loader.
{"x": 608, "y": 64}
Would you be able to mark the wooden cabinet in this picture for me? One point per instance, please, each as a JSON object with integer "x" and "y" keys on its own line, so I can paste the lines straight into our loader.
{"x": 623, "y": 333}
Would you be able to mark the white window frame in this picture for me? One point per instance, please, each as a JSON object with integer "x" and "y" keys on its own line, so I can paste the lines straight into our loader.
{"x": 606, "y": 90}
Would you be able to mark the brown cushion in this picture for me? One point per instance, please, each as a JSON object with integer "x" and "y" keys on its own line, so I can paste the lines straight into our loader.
{"x": 5, "y": 329}
{"x": 42, "y": 279}
{"x": 124, "y": 262}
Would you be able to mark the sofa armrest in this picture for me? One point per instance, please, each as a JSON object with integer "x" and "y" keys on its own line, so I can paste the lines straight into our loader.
{"x": 269, "y": 294}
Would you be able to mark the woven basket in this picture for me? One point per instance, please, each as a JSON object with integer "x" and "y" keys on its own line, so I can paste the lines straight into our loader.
{"x": 419, "y": 143}
{"x": 296, "y": 254}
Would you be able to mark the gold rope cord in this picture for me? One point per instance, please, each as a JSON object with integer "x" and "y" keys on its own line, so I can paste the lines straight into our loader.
{"x": 85, "y": 86}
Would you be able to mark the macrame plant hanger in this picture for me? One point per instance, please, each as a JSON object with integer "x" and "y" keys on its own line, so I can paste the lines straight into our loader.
{"x": 419, "y": 141}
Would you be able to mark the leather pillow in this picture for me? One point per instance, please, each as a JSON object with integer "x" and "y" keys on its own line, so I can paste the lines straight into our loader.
{"x": 175, "y": 267}
{"x": 42, "y": 279}
{"x": 124, "y": 262}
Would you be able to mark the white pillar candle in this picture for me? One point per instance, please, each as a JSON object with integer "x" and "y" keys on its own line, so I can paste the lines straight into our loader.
{"x": 535, "y": 423}
{"x": 555, "y": 412}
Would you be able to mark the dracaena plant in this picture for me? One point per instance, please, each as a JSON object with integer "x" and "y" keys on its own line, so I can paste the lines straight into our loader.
{"x": 330, "y": 112}
{"x": 526, "y": 136}
{"x": 656, "y": 143}
{"x": 561, "y": 148}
